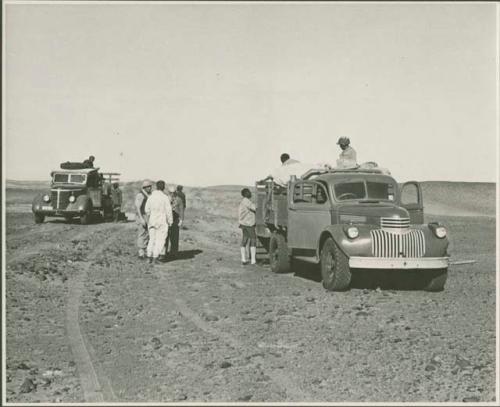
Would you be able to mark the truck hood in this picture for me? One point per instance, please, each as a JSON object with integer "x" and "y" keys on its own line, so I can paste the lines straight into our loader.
{"x": 370, "y": 213}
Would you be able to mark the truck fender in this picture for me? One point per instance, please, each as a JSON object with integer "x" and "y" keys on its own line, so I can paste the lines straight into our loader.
{"x": 84, "y": 202}
{"x": 38, "y": 201}
{"x": 336, "y": 232}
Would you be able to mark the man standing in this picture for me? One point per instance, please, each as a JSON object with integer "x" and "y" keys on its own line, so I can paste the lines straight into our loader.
{"x": 246, "y": 217}
{"x": 116, "y": 199}
{"x": 178, "y": 216}
{"x": 159, "y": 210}
{"x": 347, "y": 158}
{"x": 89, "y": 162}
{"x": 141, "y": 218}
{"x": 181, "y": 195}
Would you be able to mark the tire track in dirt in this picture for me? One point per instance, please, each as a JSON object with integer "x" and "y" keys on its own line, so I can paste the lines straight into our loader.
{"x": 95, "y": 384}
{"x": 283, "y": 381}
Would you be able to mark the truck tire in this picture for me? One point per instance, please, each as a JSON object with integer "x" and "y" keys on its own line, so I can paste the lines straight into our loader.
{"x": 279, "y": 258}
{"x": 436, "y": 280}
{"x": 86, "y": 216}
{"x": 334, "y": 267}
{"x": 39, "y": 218}
{"x": 264, "y": 241}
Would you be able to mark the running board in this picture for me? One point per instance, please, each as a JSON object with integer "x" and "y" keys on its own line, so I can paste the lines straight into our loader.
{"x": 307, "y": 259}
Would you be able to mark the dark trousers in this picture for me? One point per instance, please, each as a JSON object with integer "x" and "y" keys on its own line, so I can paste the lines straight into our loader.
{"x": 173, "y": 236}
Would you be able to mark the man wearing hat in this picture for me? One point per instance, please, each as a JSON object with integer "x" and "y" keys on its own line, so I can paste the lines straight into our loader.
{"x": 141, "y": 218}
{"x": 347, "y": 158}
{"x": 178, "y": 214}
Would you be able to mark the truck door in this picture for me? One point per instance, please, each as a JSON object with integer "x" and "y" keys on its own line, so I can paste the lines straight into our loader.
{"x": 94, "y": 189}
{"x": 412, "y": 200}
{"x": 308, "y": 214}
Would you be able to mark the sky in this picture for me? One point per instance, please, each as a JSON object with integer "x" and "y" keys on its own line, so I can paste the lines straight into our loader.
{"x": 208, "y": 94}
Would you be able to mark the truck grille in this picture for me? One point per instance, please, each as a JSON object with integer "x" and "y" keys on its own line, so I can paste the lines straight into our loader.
{"x": 386, "y": 244}
{"x": 59, "y": 199}
{"x": 394, "y": 223}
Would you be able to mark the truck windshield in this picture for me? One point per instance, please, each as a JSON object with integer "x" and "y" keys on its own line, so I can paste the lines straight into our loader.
{"x": 359, "y": 190}
{"x": 69, "y": 178}
{"x": 61, "y": 177}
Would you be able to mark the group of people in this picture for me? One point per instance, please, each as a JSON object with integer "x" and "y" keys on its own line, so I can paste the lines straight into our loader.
{"x": 289, "y": 166}
{"x": 159, "y": 217}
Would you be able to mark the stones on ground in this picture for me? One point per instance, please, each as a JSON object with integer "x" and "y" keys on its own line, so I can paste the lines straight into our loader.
{"x": 225, "y": 364}
{"x": 156, "y": 343}
{"x": 210, "y": 317}
{"x": 28, "y": 386}
{"x": 23, "y": 366}
{"x": 248, "y": 397}
{"x": 310, "y": 299}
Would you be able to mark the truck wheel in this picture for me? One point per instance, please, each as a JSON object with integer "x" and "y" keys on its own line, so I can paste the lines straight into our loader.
{"x": 86, "y": 216}
{"x": 264, "y": 241}
{"x": 39, "y": 218}
{"x": 436, "y": 280}
{"x": 278, "y": 254}
{"x": 334, "y": 267}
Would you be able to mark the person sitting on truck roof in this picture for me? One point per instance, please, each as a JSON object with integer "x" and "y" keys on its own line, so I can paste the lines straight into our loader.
{"x": 347, "y": 158}
{"x": 89, "y": 162}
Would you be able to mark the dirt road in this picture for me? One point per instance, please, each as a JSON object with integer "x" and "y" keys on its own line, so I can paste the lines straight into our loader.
{"x": 88, "y": 321}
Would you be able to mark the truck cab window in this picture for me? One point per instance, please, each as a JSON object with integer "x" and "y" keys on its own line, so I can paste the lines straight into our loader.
{"x": 349, "y": 190}
{"x": 303, "y": 192}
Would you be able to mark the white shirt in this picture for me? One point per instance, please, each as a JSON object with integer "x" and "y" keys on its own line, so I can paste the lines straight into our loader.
{"x": 246, "y": 212}
{"x": 159, "y": 209}
{"x": 282, "y": 175}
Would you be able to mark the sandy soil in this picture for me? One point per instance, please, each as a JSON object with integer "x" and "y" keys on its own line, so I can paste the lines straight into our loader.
{"x": 88, "y": 321}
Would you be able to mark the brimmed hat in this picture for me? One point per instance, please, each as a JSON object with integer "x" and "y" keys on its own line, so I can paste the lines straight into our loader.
{"x": 171, "y": 188}
{"x": 147, "y": 183}
{"x": 344, "y": 141}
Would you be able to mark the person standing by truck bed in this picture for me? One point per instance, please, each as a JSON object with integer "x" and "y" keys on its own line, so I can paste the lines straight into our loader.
{"x": 246, "y": 218}
{"x": 141, "y": 218}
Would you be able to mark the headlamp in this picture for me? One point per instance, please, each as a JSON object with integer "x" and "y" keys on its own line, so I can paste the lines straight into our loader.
{"x": 352, "y": 232}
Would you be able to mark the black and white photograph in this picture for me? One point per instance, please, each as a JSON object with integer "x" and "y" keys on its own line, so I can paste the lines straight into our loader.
{"x": 250, "y": 203}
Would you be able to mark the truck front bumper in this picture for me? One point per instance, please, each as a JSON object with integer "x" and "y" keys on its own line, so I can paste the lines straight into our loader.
{"x": 48, "y": 210}
{"x": 424, "y": 263}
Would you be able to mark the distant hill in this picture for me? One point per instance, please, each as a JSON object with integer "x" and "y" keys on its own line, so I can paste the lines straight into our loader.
{"x": 440, "y": 197}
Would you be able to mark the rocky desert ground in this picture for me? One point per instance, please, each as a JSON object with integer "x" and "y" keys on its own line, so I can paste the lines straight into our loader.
{"x": 87, "y": 321}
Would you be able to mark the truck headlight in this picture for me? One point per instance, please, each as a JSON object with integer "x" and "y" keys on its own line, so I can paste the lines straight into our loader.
{"x": 72, "y": 198}
{"x": 440, "y": 232}
{"x": 352, "y": 232}
{"x": 46, "y": 198}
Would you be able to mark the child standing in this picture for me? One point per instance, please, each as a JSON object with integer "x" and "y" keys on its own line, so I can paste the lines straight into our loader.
{"x": 246, "y": 217}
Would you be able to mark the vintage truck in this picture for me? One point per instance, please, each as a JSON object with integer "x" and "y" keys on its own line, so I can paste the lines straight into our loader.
{"x": 82, "y": 193}
{"x": 345, "y": 220}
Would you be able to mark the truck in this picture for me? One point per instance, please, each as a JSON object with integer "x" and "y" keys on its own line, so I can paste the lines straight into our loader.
{"x": 345, "y": 220}
{"x": 81, "y": 192}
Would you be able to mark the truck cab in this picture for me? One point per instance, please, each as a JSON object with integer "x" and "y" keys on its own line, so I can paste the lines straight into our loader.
{"x": 350, "y": 219}
{"x": 75, "y": 193}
